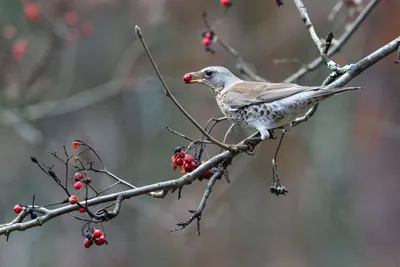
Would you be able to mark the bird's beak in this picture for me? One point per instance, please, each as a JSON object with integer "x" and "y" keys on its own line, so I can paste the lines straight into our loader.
{"x": 193, "y": 77}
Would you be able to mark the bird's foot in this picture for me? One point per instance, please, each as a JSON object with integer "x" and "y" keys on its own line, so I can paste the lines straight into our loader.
{"x": 251, "y": 142}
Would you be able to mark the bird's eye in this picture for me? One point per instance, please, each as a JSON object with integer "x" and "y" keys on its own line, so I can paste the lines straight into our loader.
{"x": 208, "y": 73}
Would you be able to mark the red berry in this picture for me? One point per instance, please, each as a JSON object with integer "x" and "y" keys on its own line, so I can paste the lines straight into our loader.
{"x": 97, "y": 233}
{"x": 179, "y": 161}
{"x": 87, "y": 242}
{"x": 32, "y": 11}
{"x": 193, "y": 165}
{"x": 82, "y": 210}
{"x": 70, "y": 18}
{"x": 87, "y": 180}
{"x": 102, "y": 239}
{"x": 78, "y": 176}
{"x": 19, "y": 48}
{"x": 208, "y": 35}
{"x": 187, "y": 78}
{"x": 17, "y": 209}
{"x": 78, "y": 185}
{"x": 206, "y": 41}
{"x": 226, "y": 3}
{"x": 73, "y": 199}
{"x": 188, "y": 158}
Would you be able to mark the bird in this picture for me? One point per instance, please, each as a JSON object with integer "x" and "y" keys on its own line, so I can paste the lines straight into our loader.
{"x": 264, "y": 106}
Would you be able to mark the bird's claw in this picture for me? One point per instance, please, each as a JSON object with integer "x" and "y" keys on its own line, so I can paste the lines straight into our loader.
{"x": 251, "y": 143}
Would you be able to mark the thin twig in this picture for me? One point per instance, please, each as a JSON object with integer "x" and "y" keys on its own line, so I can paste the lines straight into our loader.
{"x": 195, "y": 141}
{"x": 170, "y": 96}
{"x": 314, "y": 36}
{"x": 335, "y": 10}
{"x": 198, "y": 213}
{"x": 241, "y": 64}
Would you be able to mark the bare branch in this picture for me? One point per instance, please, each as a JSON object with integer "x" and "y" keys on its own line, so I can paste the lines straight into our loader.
{"x": 366, "y": 62}
{"x": 198, "y": 213}
{"x": 337, "y": 45}
{"x": 317, "y": 41}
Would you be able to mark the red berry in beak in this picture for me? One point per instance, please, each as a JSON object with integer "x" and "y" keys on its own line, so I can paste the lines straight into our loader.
{"x": 226, "y": 3}
{"x": 208, "y": 35}
{"x": 187, "y": 78}
{"x": 206, "y": 41}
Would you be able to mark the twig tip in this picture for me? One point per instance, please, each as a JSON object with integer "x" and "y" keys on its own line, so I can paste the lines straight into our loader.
{"x": 138, "y": 31}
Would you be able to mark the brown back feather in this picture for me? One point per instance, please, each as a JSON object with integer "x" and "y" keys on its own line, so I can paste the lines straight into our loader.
{"x": 250, "y": 93}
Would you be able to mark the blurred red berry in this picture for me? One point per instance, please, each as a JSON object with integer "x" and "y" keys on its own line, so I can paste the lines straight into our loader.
{"x": 32, "y": 11}
{"x": 87, "y": 242}
{"x": 87, "y": 180}
{"x": 78, "y": 176}
{"x": 19, "y": 48}
{"x": 9, "y": 32}
{"x": 86, "y": 28}
{"x": 97, "y": 233}
{"x": 208, "y": 35}
{"x": 17, "y": 209}
{"x": 78, "y": 185}
{"x": 82, "y": 210}
{"x": 70, "y": 18}
{"x": 73, "y": 199}
{"x": 76, "y": 144}
{"x": 206, "y": 41}
{"x": 226, "y": 3}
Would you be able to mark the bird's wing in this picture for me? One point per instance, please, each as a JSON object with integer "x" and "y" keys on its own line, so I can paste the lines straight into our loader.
{"x": 250, "y": 93}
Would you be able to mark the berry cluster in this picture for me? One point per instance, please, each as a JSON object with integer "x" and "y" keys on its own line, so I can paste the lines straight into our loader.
{"x": 208, "y": 38}
{"x": 95, "y": 236}
{"x": 187, "y": 163}
{"x": 79, "y": 179}
{"x": 76, "y": 27}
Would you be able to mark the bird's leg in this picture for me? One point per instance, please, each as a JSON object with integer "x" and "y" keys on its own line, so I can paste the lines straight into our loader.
{"x": 276, "y": 187}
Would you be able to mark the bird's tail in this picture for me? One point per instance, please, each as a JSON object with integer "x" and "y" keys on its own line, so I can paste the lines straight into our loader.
{"x": 334, "y": 91}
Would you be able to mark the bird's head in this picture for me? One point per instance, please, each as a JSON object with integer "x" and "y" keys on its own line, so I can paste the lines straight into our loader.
{"x": 215, "y": 78}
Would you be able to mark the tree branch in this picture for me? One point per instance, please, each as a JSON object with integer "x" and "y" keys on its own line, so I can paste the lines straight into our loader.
{"x": 337, "y": 45}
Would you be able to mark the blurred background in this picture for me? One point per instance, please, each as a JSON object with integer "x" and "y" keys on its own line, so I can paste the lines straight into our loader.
{"x": 75, "y": 70}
